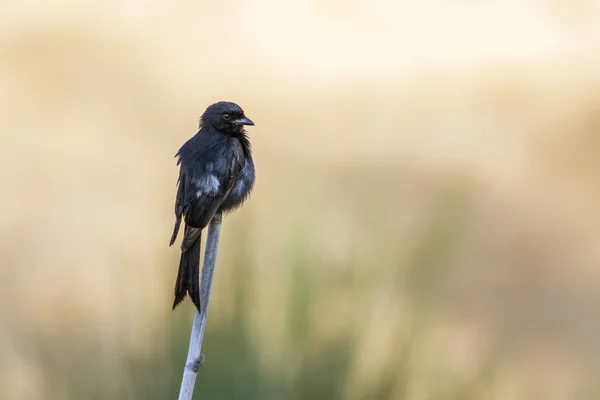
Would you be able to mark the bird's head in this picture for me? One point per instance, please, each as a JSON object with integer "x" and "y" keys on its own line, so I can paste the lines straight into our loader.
{"x": 226, "y": 117}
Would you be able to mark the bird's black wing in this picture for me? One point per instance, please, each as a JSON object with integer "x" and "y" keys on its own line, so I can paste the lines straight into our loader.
{"x": 179, "y": 202}
{"x": 209, "y": 167}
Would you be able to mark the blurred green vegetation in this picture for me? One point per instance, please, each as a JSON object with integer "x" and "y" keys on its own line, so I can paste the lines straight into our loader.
{"x": 233, "y": 369}
{"x": 78, "y": 366}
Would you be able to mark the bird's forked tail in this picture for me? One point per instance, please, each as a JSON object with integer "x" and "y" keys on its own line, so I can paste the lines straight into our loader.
{"x": 188, "y": 275}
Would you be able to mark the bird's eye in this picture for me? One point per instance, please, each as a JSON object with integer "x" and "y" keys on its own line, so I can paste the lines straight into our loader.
{"x": 226, "y": 117}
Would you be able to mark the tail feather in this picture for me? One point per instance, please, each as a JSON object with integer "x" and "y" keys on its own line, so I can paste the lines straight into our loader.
{"x": 188, "y": 275}
{"x": 175, "y": 231}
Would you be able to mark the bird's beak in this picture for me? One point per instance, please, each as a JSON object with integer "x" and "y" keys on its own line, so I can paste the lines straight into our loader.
{"x": 244, "y": 121}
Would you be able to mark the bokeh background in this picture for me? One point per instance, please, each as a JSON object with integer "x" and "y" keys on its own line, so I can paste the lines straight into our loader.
{"x": 424, "y": 224}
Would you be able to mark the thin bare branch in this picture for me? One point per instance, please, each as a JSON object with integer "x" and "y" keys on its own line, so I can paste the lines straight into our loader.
{"x": 195, "y": 358}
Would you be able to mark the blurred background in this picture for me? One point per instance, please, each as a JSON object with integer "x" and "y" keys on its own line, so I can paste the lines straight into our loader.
{"x": 424, "y": 224}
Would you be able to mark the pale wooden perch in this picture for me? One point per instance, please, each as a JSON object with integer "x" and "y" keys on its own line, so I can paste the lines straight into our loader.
{"x": 195, "y": 358}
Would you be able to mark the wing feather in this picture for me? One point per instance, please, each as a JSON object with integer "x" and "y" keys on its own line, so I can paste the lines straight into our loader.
{"x": 209, "y": 169}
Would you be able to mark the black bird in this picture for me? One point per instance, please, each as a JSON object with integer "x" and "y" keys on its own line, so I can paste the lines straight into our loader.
{"x": 216, "y": 174}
